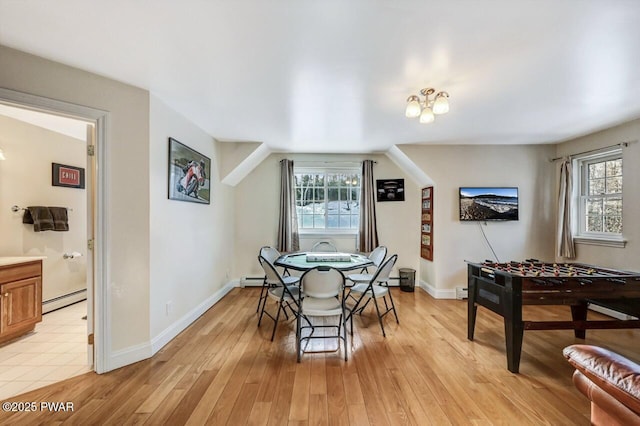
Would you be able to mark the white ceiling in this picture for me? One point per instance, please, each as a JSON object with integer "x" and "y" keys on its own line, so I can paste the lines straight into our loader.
{"x": 334, "y": 75}
{"x": 67, "y": 126}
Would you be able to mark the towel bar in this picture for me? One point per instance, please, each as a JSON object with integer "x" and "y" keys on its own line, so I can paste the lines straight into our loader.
{"x": 16, "y": 209}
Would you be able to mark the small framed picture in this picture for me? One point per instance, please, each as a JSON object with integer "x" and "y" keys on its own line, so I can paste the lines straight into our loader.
{"x": 390, "y": 189}
{"x": 189, "y": 173}
{"x": 68, "y": 176}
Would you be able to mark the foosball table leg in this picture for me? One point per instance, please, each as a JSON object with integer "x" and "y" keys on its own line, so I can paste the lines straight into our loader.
{"x": 471, "y": 324}
{"x": 472, "y": 309}
{"x": 513, "y": 332}
{"x": 513, "y": 328}
{"x": 579, "y": 313}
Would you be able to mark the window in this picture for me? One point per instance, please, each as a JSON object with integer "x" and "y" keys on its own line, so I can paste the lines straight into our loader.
{"x": 328, "y": 199}
{"x": 600, "y": 195}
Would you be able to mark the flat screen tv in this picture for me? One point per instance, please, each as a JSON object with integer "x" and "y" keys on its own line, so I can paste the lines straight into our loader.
{"x": 488, "y": 203}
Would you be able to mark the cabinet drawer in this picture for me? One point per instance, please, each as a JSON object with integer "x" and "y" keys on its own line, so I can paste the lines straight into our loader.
{"x": 20, "y": 271}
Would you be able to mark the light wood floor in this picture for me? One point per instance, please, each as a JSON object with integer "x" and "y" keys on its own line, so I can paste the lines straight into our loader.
{"x": 56, "y": 350}
{"x": 224, "y": 370}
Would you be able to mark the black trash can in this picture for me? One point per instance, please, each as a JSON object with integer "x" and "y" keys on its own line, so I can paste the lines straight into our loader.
{"x": 407, "y": 279}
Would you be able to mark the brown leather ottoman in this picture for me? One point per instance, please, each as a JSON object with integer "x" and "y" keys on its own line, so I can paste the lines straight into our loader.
{"x": 610, "y": 381}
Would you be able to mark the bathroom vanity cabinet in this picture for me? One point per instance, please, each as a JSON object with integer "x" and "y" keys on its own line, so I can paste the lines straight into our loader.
{"x": 20, "y": 296}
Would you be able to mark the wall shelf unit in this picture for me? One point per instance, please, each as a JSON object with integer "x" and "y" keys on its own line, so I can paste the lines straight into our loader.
{"x": 426, "y": 223}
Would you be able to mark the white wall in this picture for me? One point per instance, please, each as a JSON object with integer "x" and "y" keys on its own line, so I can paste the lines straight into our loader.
{"x": 192, "y": 245}
{"x": 25, "y": 180}
{"x": 450, "y": 167}
{"x": 622, "y": 258}
{"x": 257, "y": 200}
{"x": 127, "y": 151}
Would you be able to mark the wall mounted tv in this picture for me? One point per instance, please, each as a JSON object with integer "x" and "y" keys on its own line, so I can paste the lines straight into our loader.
{"x": 488, "y": 203}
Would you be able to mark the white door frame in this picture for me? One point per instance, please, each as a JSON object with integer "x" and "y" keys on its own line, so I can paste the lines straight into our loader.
{"x": 101, "y": 300}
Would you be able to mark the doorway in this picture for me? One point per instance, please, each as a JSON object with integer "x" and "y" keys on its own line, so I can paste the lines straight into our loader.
{"x": 80, "y": 257}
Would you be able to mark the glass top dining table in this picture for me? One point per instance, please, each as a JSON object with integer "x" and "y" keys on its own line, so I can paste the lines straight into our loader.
{"x": 303, "y": 261}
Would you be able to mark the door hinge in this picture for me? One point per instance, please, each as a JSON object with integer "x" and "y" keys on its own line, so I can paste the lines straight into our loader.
{"x": 90, "y": 339}
{"x": 91, "y": 150}
{"x": 90, "y": 244}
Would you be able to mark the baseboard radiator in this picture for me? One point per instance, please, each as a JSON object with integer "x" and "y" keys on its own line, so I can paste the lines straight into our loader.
{"x": 64, "y": 300}
{"x": 257, "y": 281}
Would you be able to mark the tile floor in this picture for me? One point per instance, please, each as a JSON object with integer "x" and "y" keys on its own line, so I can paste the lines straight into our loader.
{"x": 56, "y": 350}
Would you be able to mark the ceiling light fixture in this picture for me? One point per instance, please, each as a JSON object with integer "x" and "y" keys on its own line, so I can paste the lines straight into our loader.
{"x": 429, "y": 107}
{"x": 2, "y": 157}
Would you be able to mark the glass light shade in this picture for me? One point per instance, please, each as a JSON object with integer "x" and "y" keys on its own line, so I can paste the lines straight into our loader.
{"x": 441, "y": 105}
{"x": 2, "y": 157}
{"x": 427, "y": 116}
{"x": 413, "y": 109}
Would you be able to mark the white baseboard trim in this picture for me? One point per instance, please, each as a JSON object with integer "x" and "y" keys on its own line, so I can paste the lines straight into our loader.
{"x": 177, "y": 327}
{"x": 128, "y": 356}
{"x": 143, "y": 351}
{"x": 436, "y": 293}
{"x": 62, "y": 301}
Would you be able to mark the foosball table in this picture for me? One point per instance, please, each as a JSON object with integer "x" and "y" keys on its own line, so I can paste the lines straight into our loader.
{"x": 505, "y": 287}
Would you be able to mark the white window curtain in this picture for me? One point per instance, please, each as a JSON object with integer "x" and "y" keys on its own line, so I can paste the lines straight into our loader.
{"x": 368, "y": 233}
{"x": 288, "y": 239}
{"x": 566, "y": 247}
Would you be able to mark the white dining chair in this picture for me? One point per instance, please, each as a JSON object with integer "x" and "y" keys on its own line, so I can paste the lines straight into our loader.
{"x": 376, "y": 288}
{"x": 322, "y": 294}
{"x": 324, "y": 246}
{"x": 271, "y": 254}
{"x": 282, "y": 290}
{"x": 377, "y": 257}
